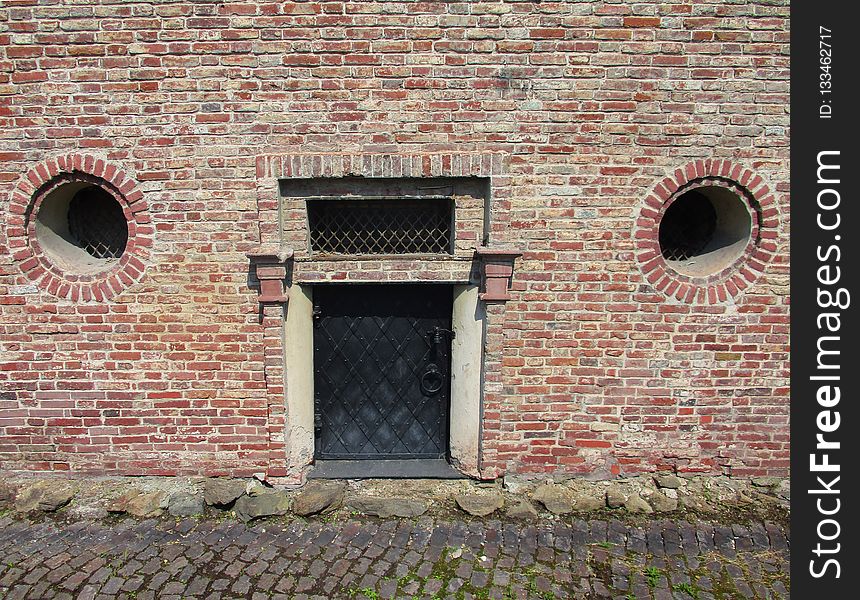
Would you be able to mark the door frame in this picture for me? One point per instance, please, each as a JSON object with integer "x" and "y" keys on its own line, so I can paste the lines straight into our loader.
{"x": 464, "y": 425}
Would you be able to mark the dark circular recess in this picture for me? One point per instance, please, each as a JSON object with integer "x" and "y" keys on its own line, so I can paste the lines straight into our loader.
{"x": 97, "y": 223}
{"x": 687, "y": 227}
{"x": 80, "y": 227}
{"x": 707, "y": 231}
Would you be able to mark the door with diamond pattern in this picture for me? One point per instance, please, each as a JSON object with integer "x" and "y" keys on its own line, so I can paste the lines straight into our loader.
{"x": 381, "y": 371}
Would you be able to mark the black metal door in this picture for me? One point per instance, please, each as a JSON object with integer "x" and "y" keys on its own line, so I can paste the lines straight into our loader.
{"x": 382, "y": 364}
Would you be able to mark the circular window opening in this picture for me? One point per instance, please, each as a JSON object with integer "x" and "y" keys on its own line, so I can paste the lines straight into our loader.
{"x": 81, "y": 227}
{"x": 704, "y": 230}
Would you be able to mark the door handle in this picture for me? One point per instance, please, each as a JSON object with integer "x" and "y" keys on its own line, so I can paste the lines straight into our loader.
{"x": 432, "y": 380}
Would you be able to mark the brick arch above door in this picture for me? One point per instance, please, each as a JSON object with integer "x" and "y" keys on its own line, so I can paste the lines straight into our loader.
{"x": 271, "y": 169}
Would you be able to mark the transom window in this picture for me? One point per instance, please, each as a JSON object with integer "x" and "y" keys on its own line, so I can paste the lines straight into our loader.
{"x": 381, "y": 225}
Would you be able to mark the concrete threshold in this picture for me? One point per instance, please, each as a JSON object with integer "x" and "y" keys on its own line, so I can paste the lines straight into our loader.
{"x": 384, "y": 469}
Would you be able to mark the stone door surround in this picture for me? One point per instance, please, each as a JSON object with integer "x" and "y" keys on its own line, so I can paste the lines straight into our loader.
{"x": 481, "y": 279}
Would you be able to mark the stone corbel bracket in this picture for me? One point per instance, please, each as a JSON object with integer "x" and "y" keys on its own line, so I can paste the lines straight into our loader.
{"x": 270, "y": 265}
{"x": 497, "y": 269}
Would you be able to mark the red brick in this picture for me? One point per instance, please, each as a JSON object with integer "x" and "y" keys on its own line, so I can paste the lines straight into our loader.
{"x": 641, "y": 21}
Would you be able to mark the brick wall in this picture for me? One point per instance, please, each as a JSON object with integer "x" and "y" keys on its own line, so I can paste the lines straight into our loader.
{"x": 596, "y": 107}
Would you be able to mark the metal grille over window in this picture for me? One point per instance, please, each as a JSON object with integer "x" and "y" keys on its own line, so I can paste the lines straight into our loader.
{"x": 687, "y": 227}
{"x": 97, "y": 223}
{"x": 381, "y": 226}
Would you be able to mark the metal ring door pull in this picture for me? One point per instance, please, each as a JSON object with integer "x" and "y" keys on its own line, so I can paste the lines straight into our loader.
{"x": 432, "y": 380}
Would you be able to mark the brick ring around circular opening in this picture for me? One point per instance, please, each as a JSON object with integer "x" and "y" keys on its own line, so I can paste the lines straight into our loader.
{"x": 716, "y": 200}
{"x": 43, "y": 239}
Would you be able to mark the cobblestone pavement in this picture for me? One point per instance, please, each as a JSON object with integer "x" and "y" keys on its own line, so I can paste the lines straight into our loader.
{"x": 423, "y": 558}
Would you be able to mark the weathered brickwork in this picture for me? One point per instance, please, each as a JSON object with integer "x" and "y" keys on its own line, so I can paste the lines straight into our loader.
{"x": 585, "y": 118}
